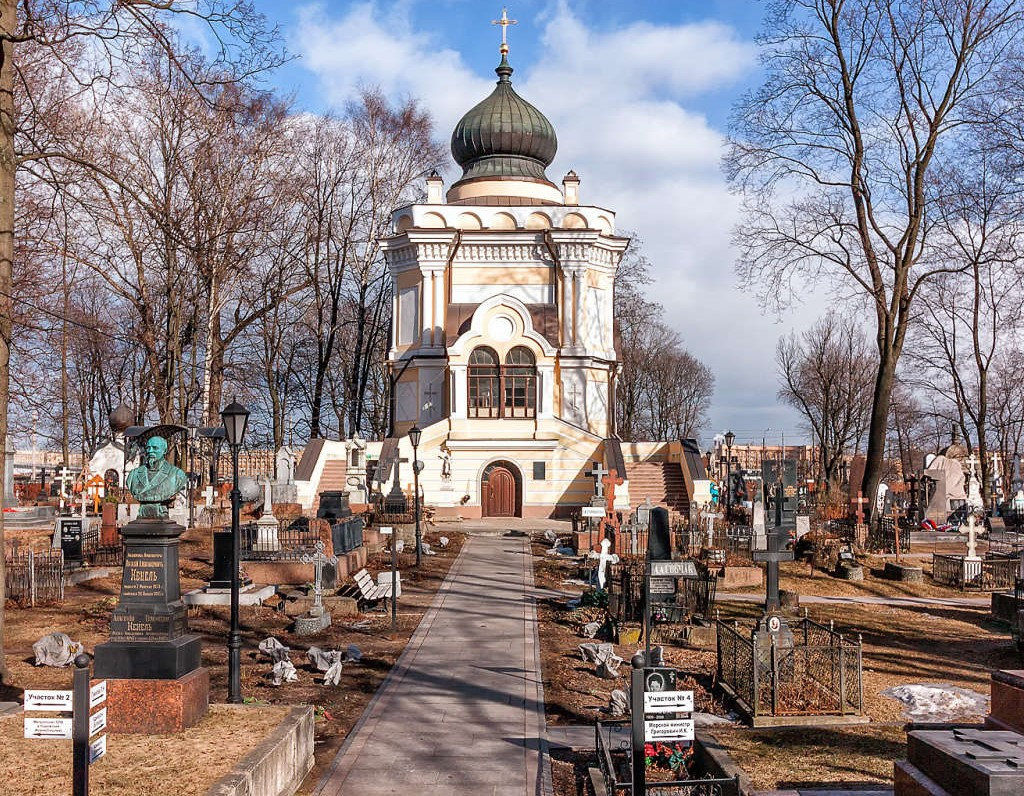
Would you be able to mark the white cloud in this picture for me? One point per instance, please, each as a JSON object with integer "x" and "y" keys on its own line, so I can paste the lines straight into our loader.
{"x": 623, "y": 104}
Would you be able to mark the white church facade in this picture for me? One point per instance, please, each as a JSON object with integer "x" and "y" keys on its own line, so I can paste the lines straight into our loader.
{"x": 503, "y": 346}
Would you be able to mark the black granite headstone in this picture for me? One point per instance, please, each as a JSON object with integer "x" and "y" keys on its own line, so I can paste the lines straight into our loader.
{"x": 659, "y": 540}
{"x": 71, "y": 539}
{"x": 149, "y": 636}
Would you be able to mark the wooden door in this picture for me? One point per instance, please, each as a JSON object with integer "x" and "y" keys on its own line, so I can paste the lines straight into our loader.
{"x": 499, "y": 493}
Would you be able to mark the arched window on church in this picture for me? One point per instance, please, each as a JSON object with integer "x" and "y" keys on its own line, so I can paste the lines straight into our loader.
{"x": 484, "y": 383}
{"x": 502, "y": 390}
{"x": 520, "y": 383}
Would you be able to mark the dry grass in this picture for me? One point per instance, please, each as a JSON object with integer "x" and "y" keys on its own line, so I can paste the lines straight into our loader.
{"x": 186, "y": 764}
{"x": 806, "y": 757}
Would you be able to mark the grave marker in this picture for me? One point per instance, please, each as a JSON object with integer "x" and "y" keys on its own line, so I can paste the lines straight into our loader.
{"x": 773, "y": 555}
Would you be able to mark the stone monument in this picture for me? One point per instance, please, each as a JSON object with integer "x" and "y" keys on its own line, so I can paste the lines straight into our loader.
{"x": 266, "y": 525}
{"x": 155, "y": 681}
{"x": 284, "y": 489}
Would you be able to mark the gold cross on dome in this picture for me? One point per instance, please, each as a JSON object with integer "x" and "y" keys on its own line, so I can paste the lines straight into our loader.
{"x": 504, "y": 22}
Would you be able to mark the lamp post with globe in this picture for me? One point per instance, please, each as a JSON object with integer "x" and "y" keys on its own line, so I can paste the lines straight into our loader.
{"x": 235, "y": 418}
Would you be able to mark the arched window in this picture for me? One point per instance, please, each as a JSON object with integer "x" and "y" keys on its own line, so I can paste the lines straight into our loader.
{"x": 502, "y": 390}
{"x": 484, "y": 383}
{"x": 520, "y": 373}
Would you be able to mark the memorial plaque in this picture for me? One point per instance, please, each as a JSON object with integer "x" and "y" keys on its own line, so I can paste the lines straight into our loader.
{"x": 145, "y": 575}
{"x": 675, "y": 569}
{"x": 663, "y": 585}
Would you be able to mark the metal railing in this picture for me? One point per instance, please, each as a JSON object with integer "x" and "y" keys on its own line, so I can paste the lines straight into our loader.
{"x": 820, "y": 674}
{"x": 695, "y": 597}
{"x": 882, "y": 536}
{"x": 293, "y": 542}
{"x": 33, "y": 578}
{"x": 994, "y": 573}
{"x": 736, "y": 540}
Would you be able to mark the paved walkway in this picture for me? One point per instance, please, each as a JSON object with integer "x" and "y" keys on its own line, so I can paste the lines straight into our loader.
{"x": 462, "y": 711}
{"x": 867, "y": 599}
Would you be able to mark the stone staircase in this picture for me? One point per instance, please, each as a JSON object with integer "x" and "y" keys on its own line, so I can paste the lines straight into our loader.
{"x": 662, "y": 482}
{"x": 332, "y": 479}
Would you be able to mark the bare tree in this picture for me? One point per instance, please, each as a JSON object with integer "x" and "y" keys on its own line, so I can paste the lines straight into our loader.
{"x": 835, "y": 154}
{"x": 827, "y": 375}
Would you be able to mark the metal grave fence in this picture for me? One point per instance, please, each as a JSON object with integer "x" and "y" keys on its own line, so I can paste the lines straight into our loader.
{"x": 882, "y": 536}
{"x": 820, "y": 674}
{"x": 615, "y": 764}
{"x": 33, "y": 578}
{"x": 996, "y": 572}
{"x": 293, "y": 542}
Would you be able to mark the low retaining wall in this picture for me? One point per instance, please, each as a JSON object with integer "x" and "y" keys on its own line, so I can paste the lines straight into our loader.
{"x": 278, "y": 765}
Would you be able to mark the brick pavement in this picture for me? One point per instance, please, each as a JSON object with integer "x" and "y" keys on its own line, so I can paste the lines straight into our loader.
{"x": 462, "y": 710}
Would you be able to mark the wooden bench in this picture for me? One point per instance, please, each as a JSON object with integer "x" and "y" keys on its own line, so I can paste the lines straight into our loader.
{"x": 366, "y": 592}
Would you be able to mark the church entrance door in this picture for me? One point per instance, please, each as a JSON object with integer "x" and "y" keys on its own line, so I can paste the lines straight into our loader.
{"x": 498, "y": 491}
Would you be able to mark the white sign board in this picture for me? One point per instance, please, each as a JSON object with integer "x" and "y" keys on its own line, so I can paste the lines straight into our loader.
{"x": 668, "y": 701}
{"x": 674, "y": 730}
{"x": 48, "y": 700}
{"x": 97, "y": 721}
{"x": 47, "y": 728}
{"x": 594, "y": 511}
{"x": 97, "y": 748}
{"x": 98, "y": 694}
{"x": 385, "y": 531}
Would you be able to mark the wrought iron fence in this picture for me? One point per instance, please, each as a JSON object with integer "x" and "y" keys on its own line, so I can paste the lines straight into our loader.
{"x": 882, "y": 536}
{"x": 695, "y": 597}
{"x": 820, "y": 673}
{"x": 736, "y": 540}
{"x": 616, "y": 766}
{"x": 33, "y": 578}
{"x": 993, "y": 573}
{"x": 293, "y": 542}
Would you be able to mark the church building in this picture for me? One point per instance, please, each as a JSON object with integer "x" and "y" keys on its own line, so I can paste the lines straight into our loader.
{"x": 503, "y": 349}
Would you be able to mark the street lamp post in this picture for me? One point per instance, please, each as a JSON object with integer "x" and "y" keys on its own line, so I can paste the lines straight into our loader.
{"x": 730, "y": 438}
{"x": 417, "y": 465}
{"x": 235, "y": 417}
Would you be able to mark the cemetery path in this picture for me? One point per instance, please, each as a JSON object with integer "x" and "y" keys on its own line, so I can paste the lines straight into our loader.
{"x": 867, "y": 599}
{"x": 462, "y": 710}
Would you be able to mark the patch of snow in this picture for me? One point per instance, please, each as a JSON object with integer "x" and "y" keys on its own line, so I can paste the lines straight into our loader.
{"x": 938, "y": 701}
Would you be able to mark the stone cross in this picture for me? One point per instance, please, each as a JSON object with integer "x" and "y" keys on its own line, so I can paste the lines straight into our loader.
{"x": 606, "y": 558}
{"x": 208, "y": 496}
{"x": 318, "y": 559}
{"x": 65, "y": 478}
{"x": 972, "y": 540}
{"x": 599, "y": 473}
{"x": 773, "y": 555}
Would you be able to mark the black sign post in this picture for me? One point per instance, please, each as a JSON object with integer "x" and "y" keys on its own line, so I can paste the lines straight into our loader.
{"x": 80, "y": 727}
{"x": 636, "y": 687}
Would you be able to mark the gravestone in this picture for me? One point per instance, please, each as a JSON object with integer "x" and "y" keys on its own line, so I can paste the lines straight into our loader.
{"x": 961, "y": 761}
{"x": 659, "y": 540}
{"x": 267, "y": 525}
{"x": 318, "y": 618}
{"x": 68, "y": 535}
{"x": 333, "y": 506}
{"x": 780, "y": 477}
{"x": 803, "y": 525}
{"x": 758, "y": 541}
{"x": 773, "y": 555}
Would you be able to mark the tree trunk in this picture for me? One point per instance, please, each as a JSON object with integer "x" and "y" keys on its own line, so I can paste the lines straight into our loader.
{"x": 8, "y": 23}
{"x": 879, "y": 425}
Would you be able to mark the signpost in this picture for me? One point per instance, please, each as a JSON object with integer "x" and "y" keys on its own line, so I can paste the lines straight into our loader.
{"x": 79, "y": 727}
{"x": 653, "y": 691}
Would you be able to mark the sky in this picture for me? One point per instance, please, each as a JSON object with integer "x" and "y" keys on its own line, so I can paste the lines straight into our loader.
{"x": 639, "y": 94}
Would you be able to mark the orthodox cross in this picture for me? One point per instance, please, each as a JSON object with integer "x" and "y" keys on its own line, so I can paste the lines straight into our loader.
{"x": 610, "y": 522}
{"x": 773, "y": 555}
{"x": 599, "y": 473}
{"x": 318, "y": 559}
{"x": 574, "y": 397}
{"x": 860, "y": 501}
{"x": 504, "y": 22}
{"x": 65, "y": 478}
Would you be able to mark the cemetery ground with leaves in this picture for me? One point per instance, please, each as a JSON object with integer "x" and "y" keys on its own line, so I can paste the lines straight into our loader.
{"x": 85, "y": 617}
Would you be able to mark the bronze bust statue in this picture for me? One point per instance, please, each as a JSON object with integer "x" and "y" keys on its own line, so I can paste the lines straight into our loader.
{"x": 155, "y": 483}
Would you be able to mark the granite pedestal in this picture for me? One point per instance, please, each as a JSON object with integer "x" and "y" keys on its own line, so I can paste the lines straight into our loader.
{"x": 961, "y": 762}
{"x": 151, "y": 658}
